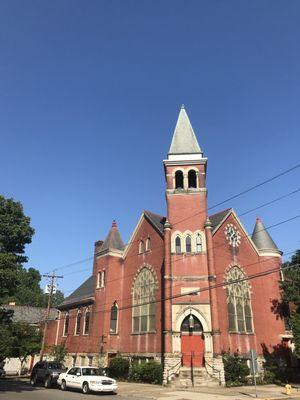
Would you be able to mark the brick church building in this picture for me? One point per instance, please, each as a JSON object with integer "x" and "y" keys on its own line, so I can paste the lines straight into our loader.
{"x": 166, "y": 295}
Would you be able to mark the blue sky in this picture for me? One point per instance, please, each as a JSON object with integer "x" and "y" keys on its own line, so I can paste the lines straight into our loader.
{"x": 89, "y": 97}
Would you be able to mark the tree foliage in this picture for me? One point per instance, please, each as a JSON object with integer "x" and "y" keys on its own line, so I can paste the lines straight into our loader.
{"x": 236, "y": 369}
{"x": 18, "y": 283}
{"x": 59, "y": 352}
{"x": 291, "y": 295}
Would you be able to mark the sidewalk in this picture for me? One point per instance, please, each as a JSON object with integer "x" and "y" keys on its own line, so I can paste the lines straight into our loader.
{"x": 155, "y": 392}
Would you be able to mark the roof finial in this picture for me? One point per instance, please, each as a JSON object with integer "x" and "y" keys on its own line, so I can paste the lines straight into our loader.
{"x": 114, "y": 224}
{"x": 258, "y": 219}
{"x": 182, "y": 106}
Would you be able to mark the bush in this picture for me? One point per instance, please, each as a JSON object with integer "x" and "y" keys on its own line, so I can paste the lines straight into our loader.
{"x": 236, "y": 370}
{"x": 150, "y": 372}
{"x": 119, "y": 367}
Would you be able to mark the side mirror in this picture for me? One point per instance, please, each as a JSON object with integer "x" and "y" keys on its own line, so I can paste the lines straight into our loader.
{"x": 78, "y": 374}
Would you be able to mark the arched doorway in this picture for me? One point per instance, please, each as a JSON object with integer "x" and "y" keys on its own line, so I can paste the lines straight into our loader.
{"x": 192, "y": 342}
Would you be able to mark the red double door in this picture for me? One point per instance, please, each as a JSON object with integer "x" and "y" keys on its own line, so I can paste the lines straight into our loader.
{"x": 192, "y": 349}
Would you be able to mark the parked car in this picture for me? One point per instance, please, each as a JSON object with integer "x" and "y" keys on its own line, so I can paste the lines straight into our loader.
{"x": 2, "y": 372}
{"x": 87, "y": 379}
{"x": 46, "y": 372}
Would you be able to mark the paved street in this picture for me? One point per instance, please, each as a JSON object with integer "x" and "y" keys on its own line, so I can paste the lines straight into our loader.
{"x": 11, "y": 389}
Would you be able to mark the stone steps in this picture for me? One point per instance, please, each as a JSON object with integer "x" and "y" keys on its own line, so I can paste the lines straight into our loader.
{"x": 201, "y": 378}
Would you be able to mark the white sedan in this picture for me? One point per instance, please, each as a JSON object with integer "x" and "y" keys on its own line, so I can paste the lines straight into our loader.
{"x": 87, "y": 379}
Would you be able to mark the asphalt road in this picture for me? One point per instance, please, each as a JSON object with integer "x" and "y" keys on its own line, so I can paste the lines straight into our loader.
{"x": 11, "y": 389}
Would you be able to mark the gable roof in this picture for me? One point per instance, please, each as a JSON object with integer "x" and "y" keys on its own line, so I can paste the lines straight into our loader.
{"x": 81, "y": 294}
{"x": 30, "y": 315}
{"x": 217, "y": 219}
{"x": 156, "y": 220}
{"x": 113, "y": 240}
{"x": 184, "y": 140}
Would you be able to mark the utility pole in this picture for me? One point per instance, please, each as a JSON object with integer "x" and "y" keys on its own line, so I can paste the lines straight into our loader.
{"x": 50, "y": 294}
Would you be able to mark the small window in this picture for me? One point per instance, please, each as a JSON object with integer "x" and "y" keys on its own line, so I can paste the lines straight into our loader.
{"x": 78, "y": 320}
{"x": 192, "y": 179}
{"x": 66, "y": 324}
{"x": 86, "y": 322}
{"x": 198, "y": 243}
{"x": 102, "y": 282}
{"x": 188, "y": 244}
{"x": 141, "y": 247}
{"x": 148, "y": 244}
{"x": 178, "y": 244}
{"x": 178, "y": 180}
{"x": 113, "y": 318}
{"x": 99, "y": 280}
{"x": 90, "y": 361}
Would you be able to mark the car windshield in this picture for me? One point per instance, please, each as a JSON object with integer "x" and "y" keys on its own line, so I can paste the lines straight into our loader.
{"x": 55, "y": 366}
{"x": 90, "y": 371}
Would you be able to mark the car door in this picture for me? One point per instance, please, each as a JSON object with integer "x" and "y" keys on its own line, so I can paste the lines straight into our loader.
{"x": 78, "y": 379}
{"x": 41, "y": 371}
{"x": 70, "y": 377}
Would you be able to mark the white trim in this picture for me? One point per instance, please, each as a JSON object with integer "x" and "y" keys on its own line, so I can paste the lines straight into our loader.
{"x": 133, "y": 234}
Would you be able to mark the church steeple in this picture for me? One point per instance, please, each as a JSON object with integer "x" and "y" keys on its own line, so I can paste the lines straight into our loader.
{"x": 184, "y": 141}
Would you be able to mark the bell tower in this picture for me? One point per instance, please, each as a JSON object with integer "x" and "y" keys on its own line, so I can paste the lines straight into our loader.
{"x": 186, "y": 267}
{"x": 185, "y": 170}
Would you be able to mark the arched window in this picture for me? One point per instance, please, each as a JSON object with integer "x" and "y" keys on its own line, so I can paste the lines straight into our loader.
{"x": 141, "y": 247}
{"x": 191, "y": 324}
{"x": 198, "y": 243}
{"x": 143, "y": 312}
{"x": 66, "y": 324}
{"x": 78, "y": 321}
{"x": 192, "y": 179}
{"x": 148, "y": 244}
{"x": 178, "y": 180}
{"x": 188, "y": 244}
{"x": 113, "y": 318}
{"x": 238, "y": 302}
{"x": 86, "y": 326}
{"x": 178, "y": 244}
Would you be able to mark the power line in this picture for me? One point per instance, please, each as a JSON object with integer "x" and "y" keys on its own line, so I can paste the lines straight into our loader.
{"x": 200, "y": 290}
{"x": 212, "y": 248}
{"x": 272, "y": 178}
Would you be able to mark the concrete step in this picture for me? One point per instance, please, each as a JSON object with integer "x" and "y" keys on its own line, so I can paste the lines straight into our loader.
{"x": 201, "y": 378}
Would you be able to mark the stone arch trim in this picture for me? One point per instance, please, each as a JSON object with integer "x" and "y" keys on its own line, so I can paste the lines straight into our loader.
{"x": 150, "y": 268}
{"x": 197, "y": 314}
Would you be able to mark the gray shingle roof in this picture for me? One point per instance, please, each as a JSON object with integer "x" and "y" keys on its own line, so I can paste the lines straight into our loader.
{"x": 113, "y": 240}
{"x": 184, "y": 140}
{"x": 30, "y": 315}
{"x": 84, "y": 291}
{"x": 217, "y": 218}
{"x": 262, "y": 238}
{"x": 156, "y": 220}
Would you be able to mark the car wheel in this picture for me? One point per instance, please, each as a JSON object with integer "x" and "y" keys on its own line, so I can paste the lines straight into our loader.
{"x": 33, "y": 381}
{"x": 85, "y": 388}
{"x": 48, "y": 382}
{"x": 63, "y": 385}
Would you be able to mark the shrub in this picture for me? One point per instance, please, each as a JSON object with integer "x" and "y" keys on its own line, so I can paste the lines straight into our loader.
{"x": 119, "y": 367}
{"x": 59, "y": 352}
{"x": 236, "y": 370}
{"x": 150, "y": 372}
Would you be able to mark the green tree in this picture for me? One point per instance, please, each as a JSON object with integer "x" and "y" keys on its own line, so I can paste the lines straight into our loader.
{"x": 6, "y": 340}
{"x": 291, "y": 295}
{"x": 26, "y": 341}
{"x": 59, "y": 352}
{"x": 236, "y": 369}
{"x": 18, "y": 283}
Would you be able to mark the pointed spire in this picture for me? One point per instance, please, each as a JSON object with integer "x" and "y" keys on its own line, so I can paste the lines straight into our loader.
{"x": 113, "y": 239}
{"x": 262, "y": 238}
{"x": 184, "y": 140}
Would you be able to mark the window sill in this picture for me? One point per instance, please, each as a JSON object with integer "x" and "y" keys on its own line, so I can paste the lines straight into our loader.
{"x": 85, "y": 334}
{"x": 64, "y": 335}
{"x": 76, "y": 334}
{"x": 113, "y": 333}
{"x": 142, "y": 333}
{"x": 240, "y": 333}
